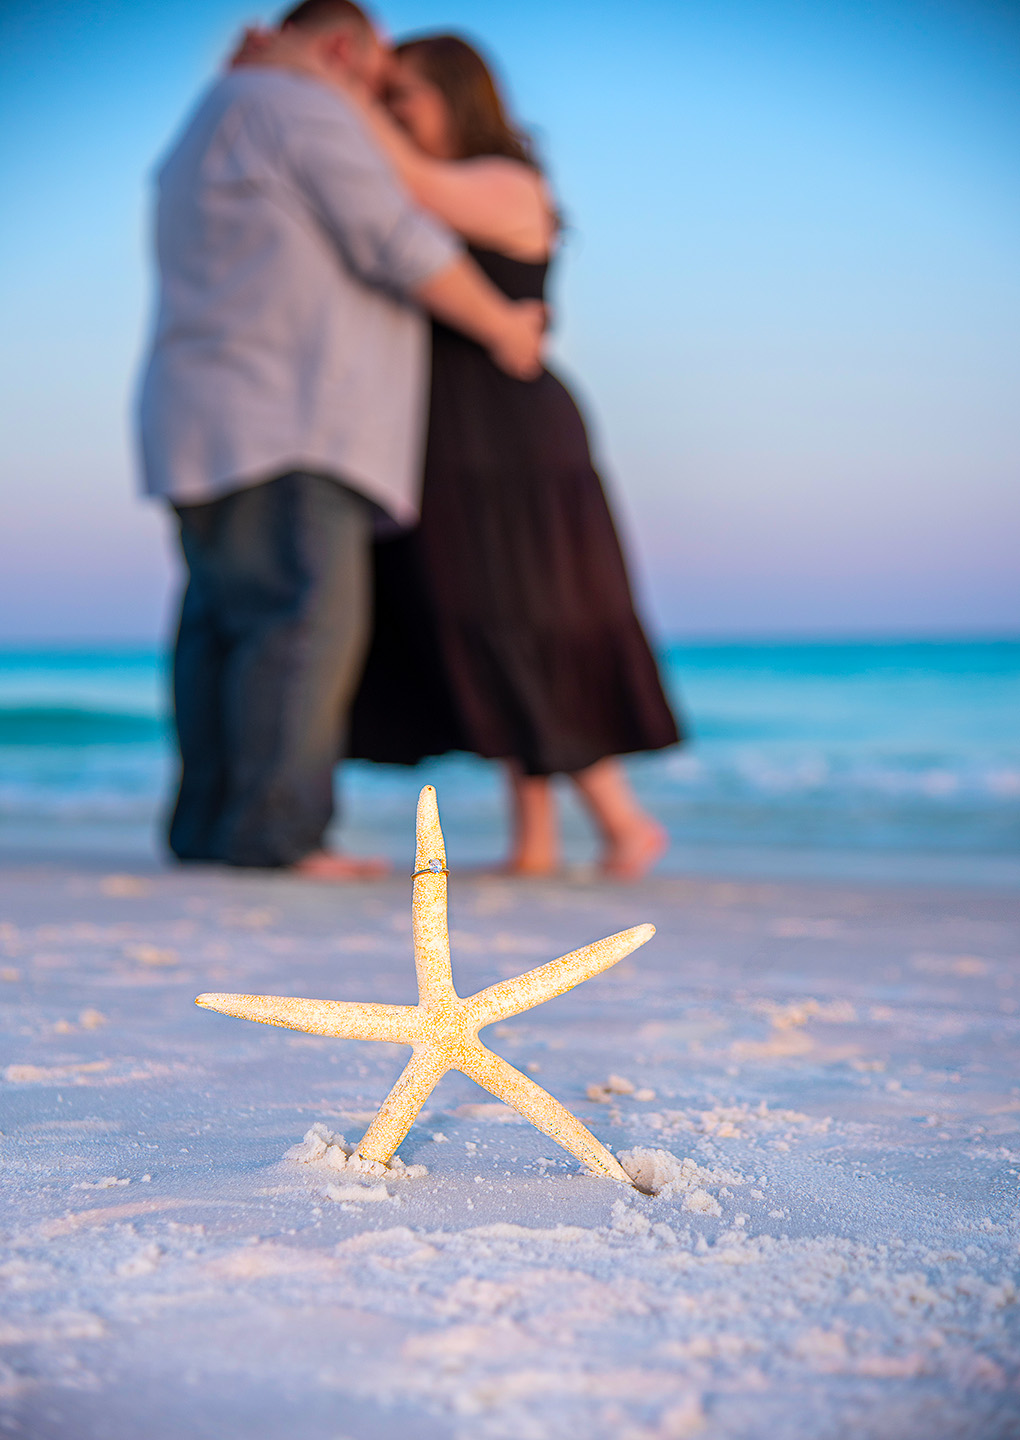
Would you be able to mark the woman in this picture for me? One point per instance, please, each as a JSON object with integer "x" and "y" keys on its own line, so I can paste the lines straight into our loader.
{"x": 505, "y": 625}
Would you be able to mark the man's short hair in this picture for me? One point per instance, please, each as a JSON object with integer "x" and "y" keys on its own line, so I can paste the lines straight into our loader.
{"x": 326, "y": 15}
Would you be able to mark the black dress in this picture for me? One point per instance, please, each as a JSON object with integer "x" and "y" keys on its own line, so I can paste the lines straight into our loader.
{"x": 505, "y": 623}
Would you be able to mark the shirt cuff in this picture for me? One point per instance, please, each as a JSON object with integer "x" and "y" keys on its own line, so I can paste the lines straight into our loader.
{"x": 417, "y": 248}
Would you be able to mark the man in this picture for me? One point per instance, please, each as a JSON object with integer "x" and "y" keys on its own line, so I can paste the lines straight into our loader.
{"x": 282, "y": 415}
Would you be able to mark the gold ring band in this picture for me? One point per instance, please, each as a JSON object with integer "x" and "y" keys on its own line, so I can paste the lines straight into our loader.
{"x": 433, "y": 868}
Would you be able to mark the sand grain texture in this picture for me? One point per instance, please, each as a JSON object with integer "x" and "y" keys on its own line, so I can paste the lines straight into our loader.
{"x": 819, "y": 1081}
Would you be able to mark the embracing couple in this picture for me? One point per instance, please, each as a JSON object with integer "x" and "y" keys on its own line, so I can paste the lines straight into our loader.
{"x": 391, "y": 552}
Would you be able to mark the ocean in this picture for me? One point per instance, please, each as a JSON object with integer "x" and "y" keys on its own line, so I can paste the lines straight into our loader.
{"x": 879, "y": 760}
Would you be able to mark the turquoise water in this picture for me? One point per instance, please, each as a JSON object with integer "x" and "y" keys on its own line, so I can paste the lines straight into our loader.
{"x": 898, "y": 758}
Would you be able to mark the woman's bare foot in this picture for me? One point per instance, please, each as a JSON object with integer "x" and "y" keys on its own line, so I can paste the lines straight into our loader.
{"x": 527, "y": 869}
{"x": 633, "y": 840}
{"x": 327, "y": 865}
{"x": 633, "y": 854}
{"x": 535, "y": 843}
{"x": 513, "y": 869}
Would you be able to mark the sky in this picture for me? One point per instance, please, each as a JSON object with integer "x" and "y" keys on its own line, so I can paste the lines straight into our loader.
{"x": 788, "y": 301}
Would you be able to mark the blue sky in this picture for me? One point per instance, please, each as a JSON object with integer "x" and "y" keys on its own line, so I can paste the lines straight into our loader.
{"x": 789, "y": 299}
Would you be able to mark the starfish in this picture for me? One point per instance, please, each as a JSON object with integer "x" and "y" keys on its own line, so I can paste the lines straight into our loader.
{"x": 443, "y": 1028}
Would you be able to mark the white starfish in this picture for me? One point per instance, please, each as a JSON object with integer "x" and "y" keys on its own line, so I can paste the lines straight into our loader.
{"x": 443, "y": 1028}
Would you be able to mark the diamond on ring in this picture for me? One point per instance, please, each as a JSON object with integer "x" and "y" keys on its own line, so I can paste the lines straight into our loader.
{"x": 432, "y": 867}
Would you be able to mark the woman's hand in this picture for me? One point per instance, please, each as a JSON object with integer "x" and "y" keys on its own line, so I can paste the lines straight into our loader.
{"x": 285, "y": 49}
{"x": 259, "y": 46}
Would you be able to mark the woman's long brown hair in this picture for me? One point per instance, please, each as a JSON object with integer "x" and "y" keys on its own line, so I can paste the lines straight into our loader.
{"x": 480, "y": 120}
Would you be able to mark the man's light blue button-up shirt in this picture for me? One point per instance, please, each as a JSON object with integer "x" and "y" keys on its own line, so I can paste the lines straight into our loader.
{"x": 284, "y": 338}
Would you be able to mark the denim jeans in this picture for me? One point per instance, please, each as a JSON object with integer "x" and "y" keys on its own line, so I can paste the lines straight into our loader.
{"x": 272, "y": 639}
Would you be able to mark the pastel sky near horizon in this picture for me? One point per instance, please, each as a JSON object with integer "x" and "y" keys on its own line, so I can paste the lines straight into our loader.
{"x": 789, "y": 297}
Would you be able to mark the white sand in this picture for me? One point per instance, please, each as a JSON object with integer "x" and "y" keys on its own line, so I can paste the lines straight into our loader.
{"x": 820, "y": 1082}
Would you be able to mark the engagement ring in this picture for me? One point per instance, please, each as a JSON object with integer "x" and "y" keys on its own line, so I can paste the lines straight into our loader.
{"x": 434, "y": 867}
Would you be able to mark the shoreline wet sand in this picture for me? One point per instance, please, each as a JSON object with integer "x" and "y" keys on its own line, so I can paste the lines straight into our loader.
{"x": 835, "y": 1063}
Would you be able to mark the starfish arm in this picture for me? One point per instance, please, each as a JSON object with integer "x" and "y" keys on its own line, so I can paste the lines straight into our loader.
{"x": 538, "y": 1106}
{"x": 399, "y": 1110}
{"x": 431, "y": 936}
{"x": 510, "y": 997}
{"x": 345, "y": 1020}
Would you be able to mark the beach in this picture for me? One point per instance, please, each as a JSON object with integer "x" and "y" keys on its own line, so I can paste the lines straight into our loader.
{"x": 823, "y": 1071}
{"x": 630, "y": 403}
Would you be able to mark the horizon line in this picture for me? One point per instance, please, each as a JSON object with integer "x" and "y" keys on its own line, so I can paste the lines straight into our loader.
{"x": 694, "y": 640}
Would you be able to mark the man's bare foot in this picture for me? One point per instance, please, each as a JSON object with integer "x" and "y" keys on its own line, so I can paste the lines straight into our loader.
{"x": 327, "y": 865}
{"x": 635, "y": 853}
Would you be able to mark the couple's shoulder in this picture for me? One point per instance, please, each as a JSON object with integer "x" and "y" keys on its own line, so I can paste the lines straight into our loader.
{"x": 282, "y": 91}
{"x": 257, "y": 110}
